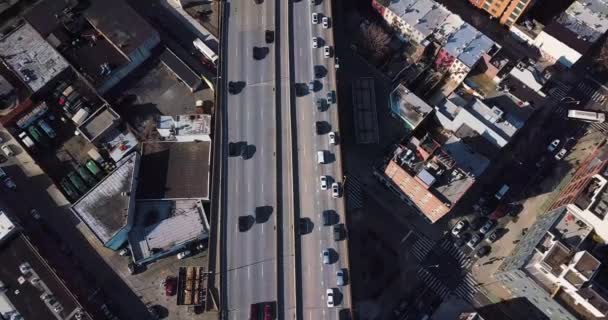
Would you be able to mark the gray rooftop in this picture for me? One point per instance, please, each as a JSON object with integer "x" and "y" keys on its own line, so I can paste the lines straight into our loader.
{"x": 31, "y": 58}
{"x": 104, "y": 119}
{"x": 451, "y": 24}
{"x": 400, "y": 7}
{"x": 105, "y": 209}
{"x": 432, "y": 20}
{"x": 466, "y": 159}
{"x": 175, "y": 170}
{"x": 174, "y": 223}
{"x": 475, "y": 49}
{"x": 408, "y": 106}
{"x": 460, "y": 39}
{"x": 591, "y": 13}
{"x": 413, "y": 15}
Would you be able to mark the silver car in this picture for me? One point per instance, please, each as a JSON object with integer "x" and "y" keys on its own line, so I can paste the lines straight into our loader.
{"x": 315, "y": 42}
{"x": 325, "y": 21}
{"x": 315, "y": 18}
{"x": 335, "y": 190}
{"x": 340, "y": 277}
{"x": 326, "y": 257}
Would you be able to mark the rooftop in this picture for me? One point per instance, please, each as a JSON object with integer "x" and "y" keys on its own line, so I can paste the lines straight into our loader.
{"x": 435, "y": 177}
{"x": 475, "y": 49}
{"x": 99, "y": 123}
{"x": 191, "y": 125}
{"x": 596, "y": 297}
{"x": 119, "y": 142}
{"x": 120, "y": 24}
{"x": 586, "y": 264}
{"x": 7, "y": 227}
{"x": 414, "y": 13}
{"x": 460, "y": 39}
{"x": 163, "y": 224}
{"x": 571, "y": 230}
{"x": 432, "y": 20}
{"x": 584, "y": 15}
{"x": 452, "y": 23}
{"x": 24, "y": 289}
{"x": 31, "y": 58}
{"x": 408, "y": 106}
{"x": 106, "y": 208}
{"x": 497, "y": 119}
{"x": 175, "y": 170}
{"x": 557, "y": 259}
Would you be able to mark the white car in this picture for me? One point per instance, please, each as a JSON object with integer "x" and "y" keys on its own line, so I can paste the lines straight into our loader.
{"x": 326, "y": 257}
{"x": 553, "y": 145}
{"x": 330, "y": 298}
{"x": 327, "y": 51}
{"x": 332, "y": 138}
{"x": 323, "y": 182}
{"x": 315, "y": 42}
{"x": 184, "y": 254}
{"x": 459, "y": 228}
{"x": 561, "y": 154}
{"x": 325, "y": 22}
{"x": 335, "y": 190}
{"x": 7, "y": 150}
{"x": 315, "y": 18}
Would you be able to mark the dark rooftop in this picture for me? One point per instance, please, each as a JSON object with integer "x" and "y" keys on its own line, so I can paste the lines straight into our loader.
{"x": 118, "y": 22}
{"x": 25, "y": 297}
{"x": 174, "y": 170}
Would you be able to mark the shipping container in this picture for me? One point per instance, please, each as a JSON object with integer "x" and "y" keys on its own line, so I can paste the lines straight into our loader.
{"x": 86, "y": 176}
{"x": 77, "y": 182}
{"x": 94, "y": 169}
{"x": 69, "y": 190}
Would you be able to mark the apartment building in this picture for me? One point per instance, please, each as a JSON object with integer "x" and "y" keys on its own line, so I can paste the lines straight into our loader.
{"x": 506, "y": 11}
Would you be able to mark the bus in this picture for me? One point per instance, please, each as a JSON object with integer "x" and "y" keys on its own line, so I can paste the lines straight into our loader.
{"x": 587, "y": 116}
{"x": 77, "y": 182}
{"x": 86, "y": 176}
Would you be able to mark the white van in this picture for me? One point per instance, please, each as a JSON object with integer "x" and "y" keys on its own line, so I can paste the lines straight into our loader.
{"x": 502, "y": 192}
{"x": 320, "y": 157}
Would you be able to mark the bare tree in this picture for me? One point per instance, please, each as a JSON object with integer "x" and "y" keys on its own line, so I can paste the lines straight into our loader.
{"x": 601, "y": 59}
{"x": 374, "y": 40}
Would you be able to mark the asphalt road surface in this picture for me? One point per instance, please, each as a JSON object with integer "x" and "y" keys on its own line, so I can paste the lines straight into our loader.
{"x": 316, "y": 276}
{"x": 251, "y": 267}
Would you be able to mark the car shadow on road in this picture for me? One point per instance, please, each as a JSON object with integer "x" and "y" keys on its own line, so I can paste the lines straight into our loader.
{"x": 263, "y": 213}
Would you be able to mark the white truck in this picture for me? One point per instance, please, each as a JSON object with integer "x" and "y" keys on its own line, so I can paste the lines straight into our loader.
{"x": 205, "y": 50}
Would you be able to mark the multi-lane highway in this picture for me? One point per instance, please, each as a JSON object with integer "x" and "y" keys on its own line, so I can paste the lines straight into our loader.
{"x": 311, "y": 64}
{"x": 250, "y": 176}
{"x": 263, "y": 123}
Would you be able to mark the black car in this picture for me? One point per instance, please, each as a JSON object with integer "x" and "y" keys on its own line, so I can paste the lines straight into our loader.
{"x": 320, "y": 104}
{"x": 483, "y": 251}
{"x": 233, "y": 87}
{"x": 328, "y": 218}
{"x": 515, "y": 209}
{"x": 260, "y": 53}
{"x": 338, "y": 232}
{"x": 269, "y": 36}
{"x": 478, "y": 222}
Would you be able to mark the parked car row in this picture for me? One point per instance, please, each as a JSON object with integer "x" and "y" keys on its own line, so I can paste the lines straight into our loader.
{"x": 480, "y": 229}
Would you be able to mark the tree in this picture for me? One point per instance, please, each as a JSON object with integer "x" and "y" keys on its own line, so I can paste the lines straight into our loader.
{"x": 601, "y": 59}
{"x": 374, "y": 40}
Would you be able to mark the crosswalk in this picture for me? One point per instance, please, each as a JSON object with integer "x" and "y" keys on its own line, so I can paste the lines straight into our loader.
{"x": 433, "y": 283}
{"x": 464, "y": 261}
{"x": 467, "y": 288}
{"x": 354, "y": 193}
{"x": 422, "y": 247}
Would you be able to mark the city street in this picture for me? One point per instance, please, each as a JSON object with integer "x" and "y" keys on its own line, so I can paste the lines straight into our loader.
{"x": 64, "y": 240}
{"x": 310, "y": 64}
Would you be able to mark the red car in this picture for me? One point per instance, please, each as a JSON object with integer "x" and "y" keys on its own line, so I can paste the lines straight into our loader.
{"x": 268, "y": 312}
{"x": 170, "y": 286}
